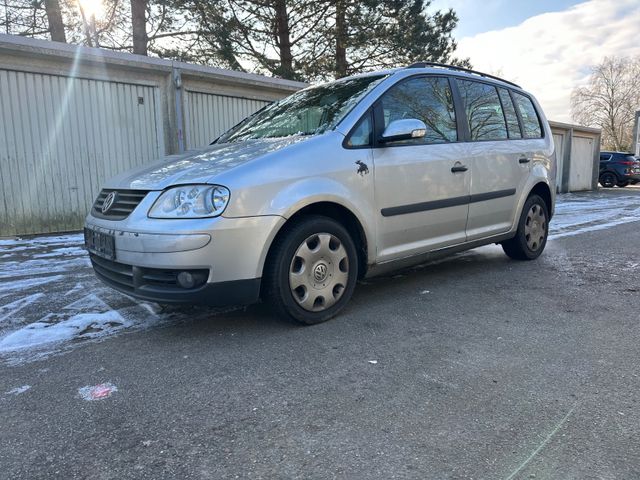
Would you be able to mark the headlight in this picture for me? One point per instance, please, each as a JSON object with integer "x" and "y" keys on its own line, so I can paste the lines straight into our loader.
{"x": 191, "y": 201}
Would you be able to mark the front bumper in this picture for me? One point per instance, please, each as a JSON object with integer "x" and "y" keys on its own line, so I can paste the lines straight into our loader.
{"x": 227, "y": 254}
{"x": 161, "y": 285}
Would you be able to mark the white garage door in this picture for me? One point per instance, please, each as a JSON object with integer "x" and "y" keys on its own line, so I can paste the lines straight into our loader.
{"x": 207, "y": 115}
{"x": 60, "y": 139}
{"x": 581, "y": 175}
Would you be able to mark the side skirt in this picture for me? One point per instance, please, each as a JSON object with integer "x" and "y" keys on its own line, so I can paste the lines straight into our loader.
{"x": 392, "y": 265}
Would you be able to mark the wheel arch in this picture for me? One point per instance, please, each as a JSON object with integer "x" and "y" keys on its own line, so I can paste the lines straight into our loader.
{"x": 340, "y": 214}
{"x": 543, "y": 191}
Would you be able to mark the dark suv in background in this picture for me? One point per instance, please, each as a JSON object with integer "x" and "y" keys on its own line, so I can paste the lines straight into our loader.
{"x": 618, "y": 168}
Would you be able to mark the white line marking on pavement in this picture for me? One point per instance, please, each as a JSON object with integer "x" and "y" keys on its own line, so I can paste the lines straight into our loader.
{"x": 542, "y": 445}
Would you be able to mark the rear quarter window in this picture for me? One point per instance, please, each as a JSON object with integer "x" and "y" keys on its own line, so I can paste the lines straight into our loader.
{"x": 530, "y": 121}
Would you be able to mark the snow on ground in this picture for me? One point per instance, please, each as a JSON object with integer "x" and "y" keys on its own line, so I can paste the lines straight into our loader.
{"x": 578, "y": 213}
{"x": 51, "y": 301}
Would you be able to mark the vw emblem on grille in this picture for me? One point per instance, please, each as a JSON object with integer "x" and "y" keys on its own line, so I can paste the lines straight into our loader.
{"x": 320, "y": 272}
{"x": 109, "y": 201}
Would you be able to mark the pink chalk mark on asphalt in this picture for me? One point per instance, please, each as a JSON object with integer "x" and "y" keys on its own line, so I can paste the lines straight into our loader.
{"x": 97, "y": 392}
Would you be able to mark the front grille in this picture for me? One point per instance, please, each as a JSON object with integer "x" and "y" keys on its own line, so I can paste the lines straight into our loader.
{"x": 125, "y": 202}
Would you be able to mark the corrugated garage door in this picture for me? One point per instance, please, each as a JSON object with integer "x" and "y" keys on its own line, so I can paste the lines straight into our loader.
{"x": 60, "y": 139}
{"x": 207, "y": 115}
{"x": 581, "y": 174}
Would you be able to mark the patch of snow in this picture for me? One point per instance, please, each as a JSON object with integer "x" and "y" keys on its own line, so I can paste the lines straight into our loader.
{"x": 79, "y": 287}
{"x": 373, "y": 362}
{"x": 48, "y": 331}
{"x": 153, "y": 309}
{"x": 62, "y": 252}
{"x": 581, "y": 213}
{"x": 44, "y": 240}
{"x": 14, "y": 307}
{"x": 89, "y": 302}
{"x": 44, "y": 266}
{"x": 25, "y": 283}
{"x": 18, "y": 390}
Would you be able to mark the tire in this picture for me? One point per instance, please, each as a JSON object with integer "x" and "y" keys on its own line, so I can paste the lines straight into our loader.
{"x": 311, "y": 271}
{"x": 623, "y": 184}
{"x": 608, "y": 180}
{"x": 532, "y": 233}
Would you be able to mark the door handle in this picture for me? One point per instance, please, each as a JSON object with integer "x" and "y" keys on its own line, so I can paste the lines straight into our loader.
{"x": 524, "y": 160}
{"x": 459, "y": 168}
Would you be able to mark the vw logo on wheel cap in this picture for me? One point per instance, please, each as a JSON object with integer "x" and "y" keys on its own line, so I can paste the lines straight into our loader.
{"x": 320, "y": 272}
{"x": 109, "y": 201}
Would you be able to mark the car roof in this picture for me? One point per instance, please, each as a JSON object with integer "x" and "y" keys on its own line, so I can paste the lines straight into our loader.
{"x": 439, "y": 68}
{"x": 461, "y": 71}
{"x": 430, "y": 67}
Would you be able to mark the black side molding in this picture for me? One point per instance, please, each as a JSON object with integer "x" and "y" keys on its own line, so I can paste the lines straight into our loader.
{"x": 446, "y": 203}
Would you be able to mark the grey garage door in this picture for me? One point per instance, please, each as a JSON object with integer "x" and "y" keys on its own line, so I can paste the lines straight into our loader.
{"x": 61, "y": 138}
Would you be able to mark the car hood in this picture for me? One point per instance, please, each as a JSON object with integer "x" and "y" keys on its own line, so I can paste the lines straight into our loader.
{"x": 198, "y": 166}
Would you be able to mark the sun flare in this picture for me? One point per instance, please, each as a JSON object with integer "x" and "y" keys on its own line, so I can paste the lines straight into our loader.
{"x": 92, "y": 8}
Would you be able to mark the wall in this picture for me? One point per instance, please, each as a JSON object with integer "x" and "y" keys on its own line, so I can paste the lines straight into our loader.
{"x": 71, "y": 117}
{"x": 577, "y": 157}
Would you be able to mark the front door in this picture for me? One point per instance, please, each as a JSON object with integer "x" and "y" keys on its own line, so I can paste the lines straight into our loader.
{"x": 421, "y": 185}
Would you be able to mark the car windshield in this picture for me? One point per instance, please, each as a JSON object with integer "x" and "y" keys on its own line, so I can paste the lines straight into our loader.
{"x": 309, "y": 112}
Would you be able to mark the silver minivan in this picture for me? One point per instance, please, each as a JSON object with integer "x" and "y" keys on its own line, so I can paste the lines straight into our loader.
{"x": 334, "y": 183}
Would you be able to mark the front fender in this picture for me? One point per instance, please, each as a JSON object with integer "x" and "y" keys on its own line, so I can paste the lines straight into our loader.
{"x": 300, "y": 194}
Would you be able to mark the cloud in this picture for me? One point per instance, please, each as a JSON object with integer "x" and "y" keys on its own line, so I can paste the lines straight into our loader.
{"x": 550, "y": 54}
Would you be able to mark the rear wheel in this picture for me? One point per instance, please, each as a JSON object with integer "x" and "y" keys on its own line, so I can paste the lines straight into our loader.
{"x": 608, "y": 180}
{"x": 532, "y": 233}
{"x": 312, "y": 270}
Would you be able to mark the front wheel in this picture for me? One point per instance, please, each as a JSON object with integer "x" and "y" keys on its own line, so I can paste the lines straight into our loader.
{"x": 532, "y": 233}
{"x": 312, "y": 270}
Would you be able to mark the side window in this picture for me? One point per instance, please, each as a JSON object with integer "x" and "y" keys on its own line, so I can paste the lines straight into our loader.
{"x": 425, "y": 98}
{"x": 513, "y": 126}
{"x": 604, "y": 157}
{"x": 484, "y": 111}
{"x": 530, "y": 121}
{"x": 362, "y": 135}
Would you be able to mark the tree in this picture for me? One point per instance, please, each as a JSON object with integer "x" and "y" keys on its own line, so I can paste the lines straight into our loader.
{"x": 139, "y": 26}
{"x": 375, "y": 34}
{"x": 294, "y": 39}
{"x": 266, "y": 36}
{"x": 54, "y": 17}
{"x": 319, "y": 39}
{"x": 609, "y": 101}
{"x": 24, "y": 18}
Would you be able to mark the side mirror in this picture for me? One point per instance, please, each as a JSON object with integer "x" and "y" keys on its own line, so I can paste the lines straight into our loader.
{"x": 404, "y": 129}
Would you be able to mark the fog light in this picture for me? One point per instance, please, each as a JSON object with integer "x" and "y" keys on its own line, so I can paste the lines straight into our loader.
{"x": 186, "y": 280}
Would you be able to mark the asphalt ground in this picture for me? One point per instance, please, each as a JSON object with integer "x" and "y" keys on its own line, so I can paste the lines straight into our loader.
{"x": 476, "y": 367}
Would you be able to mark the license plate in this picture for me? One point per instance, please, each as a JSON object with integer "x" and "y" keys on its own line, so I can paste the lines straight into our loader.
{"x": 102, "y": 244}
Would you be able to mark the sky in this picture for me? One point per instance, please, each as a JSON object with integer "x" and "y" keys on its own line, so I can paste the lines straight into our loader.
{"x": 545, "y": 46}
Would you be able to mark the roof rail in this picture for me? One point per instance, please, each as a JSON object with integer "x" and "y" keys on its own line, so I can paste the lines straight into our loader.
{"x": 461, "y": 69}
